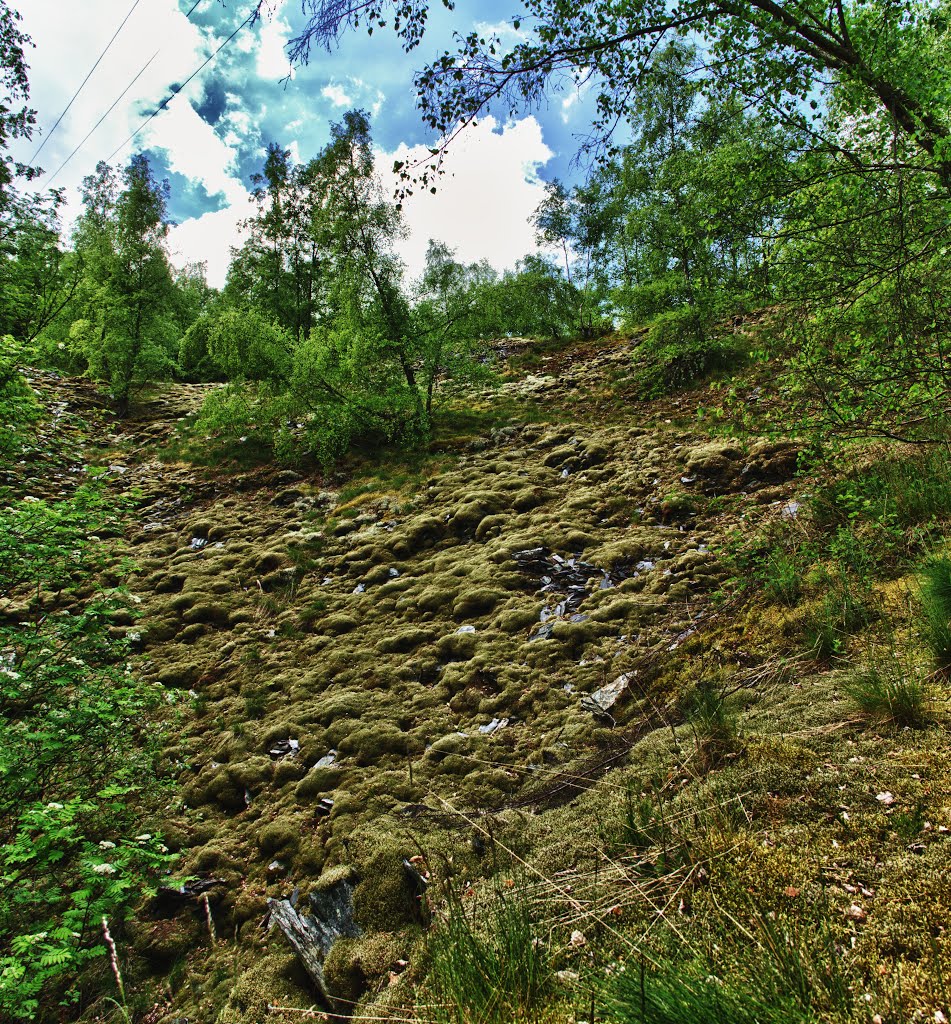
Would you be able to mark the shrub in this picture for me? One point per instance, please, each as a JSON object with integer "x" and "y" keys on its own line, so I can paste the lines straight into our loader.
{"x": 75, "y": 746}
{"x": 682, "y": 349}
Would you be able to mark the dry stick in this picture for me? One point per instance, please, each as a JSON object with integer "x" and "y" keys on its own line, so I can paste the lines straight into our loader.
{"x": 113, "y": 957}
{"x": 273, "y": 1008}
{"x": 209, "y": 918}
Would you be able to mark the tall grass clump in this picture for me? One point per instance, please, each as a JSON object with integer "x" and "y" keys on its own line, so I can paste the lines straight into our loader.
{"x": 889, "y": 696}
{"x": 488, "y": 964}
{"x": 713, "y": 724}
{"x": 671, "y": 994}
{"x": 935, "y": 583}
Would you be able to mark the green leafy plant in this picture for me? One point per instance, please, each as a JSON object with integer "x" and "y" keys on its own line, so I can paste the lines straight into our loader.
{"x": 77, "y": 749}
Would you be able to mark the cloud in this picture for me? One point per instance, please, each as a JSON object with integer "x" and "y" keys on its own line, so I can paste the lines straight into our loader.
{"x": 209, "y": 238}
{"x": 483, "y": 201}
{"x": 337, "y": 95}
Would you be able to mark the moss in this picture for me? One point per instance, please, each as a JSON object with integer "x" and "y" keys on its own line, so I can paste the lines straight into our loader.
{"x": 317, "y": 782}
{"x": 338, "y": 624}
{"x": 516, "y": 620}
{"x": 475, "y": 603}
{"x": 281, "y": 836}
{"x": 372, "y": 742}
{"x": 384, "y": 900}
{"x": 269, "y": 561}
{"x": 529, "y": 498}
{"x": 212, "y": 614}
{"x": 457, "y": 647}
{"x": 180, "y": 675}
{"x": 405, "y": 641}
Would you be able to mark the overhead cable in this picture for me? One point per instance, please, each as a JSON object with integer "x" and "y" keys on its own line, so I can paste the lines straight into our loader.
{"x": 168, "y": 99}
{"x": 82, "y": 84}
{"x": 104, "y": 116}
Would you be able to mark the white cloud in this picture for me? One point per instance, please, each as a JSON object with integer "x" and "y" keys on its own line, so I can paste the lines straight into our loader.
{"x": 483, "y": 201}
{"x": 272, "y": 61}
{"x": 209, "y": 238}
{"x": 337, "y": 95}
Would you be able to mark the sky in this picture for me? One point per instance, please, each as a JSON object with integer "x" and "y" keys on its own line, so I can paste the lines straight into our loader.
{"x": 213, "y": 135}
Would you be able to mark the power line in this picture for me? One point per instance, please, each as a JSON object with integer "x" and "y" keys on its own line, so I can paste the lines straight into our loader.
{"x": 168, "y": 99}
{"x": 85, "y": 80}
{"x": 192, "y": 11}
{"x": 101, "y": 119}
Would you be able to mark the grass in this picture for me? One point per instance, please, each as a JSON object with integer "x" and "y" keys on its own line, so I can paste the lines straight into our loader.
{"x": 714, "y": 726}
{"x": 935, "y": 583}
{"x": 889, "y": 696}
{"x": 492, "y": 968}
{"x": 671, "y": 995}
{"x": 783, "y": 578}
{"x": 844, "y": 609}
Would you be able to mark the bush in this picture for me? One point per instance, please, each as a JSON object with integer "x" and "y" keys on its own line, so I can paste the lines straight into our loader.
{"x": 75, "y": 746}
{"x": 683, "y": 349}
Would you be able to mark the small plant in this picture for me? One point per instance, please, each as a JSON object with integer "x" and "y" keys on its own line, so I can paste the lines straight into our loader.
{"x": 783, "y": 578}
{"x": 890, "y": 697}
{"x": 645, "y": 828}
{"x": 936, "y": 610}
{"x": 714, "y": 726}
{"x": 489, "y": 969}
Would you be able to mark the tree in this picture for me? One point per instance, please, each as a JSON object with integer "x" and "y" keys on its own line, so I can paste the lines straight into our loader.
{"x": 39, "y": 278}
{"x": 778, "y": 52}
{"x": 17, "y": 120}
{"x": 127, "y": 332}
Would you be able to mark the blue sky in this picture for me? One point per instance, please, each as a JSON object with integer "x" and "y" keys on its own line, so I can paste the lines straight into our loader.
{"x": 213, "y": 135}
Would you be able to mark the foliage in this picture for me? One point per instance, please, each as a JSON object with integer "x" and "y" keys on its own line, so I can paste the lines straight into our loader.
{"x": 246, "y": 346}
{"x": 17, "y": 120}
{"x": 75, "y": 747}
{"x": 126, "y": 329}
{"x": 39, "y": 277}
{"x": 18, "y": 406}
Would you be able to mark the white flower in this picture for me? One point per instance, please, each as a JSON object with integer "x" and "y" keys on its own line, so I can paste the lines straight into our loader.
{"x": 9, "y": 672}
{"x": 104, "y": 869}
{"x": 135, "y": 599}
{"x": 61, "y": 346}
{"x": 54, "y": 807}
{"x": 144, "y": 838}
{"x": 106, "y": 845}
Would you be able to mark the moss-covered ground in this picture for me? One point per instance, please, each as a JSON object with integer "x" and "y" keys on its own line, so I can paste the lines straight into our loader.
{"x": 735, "y": 814}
